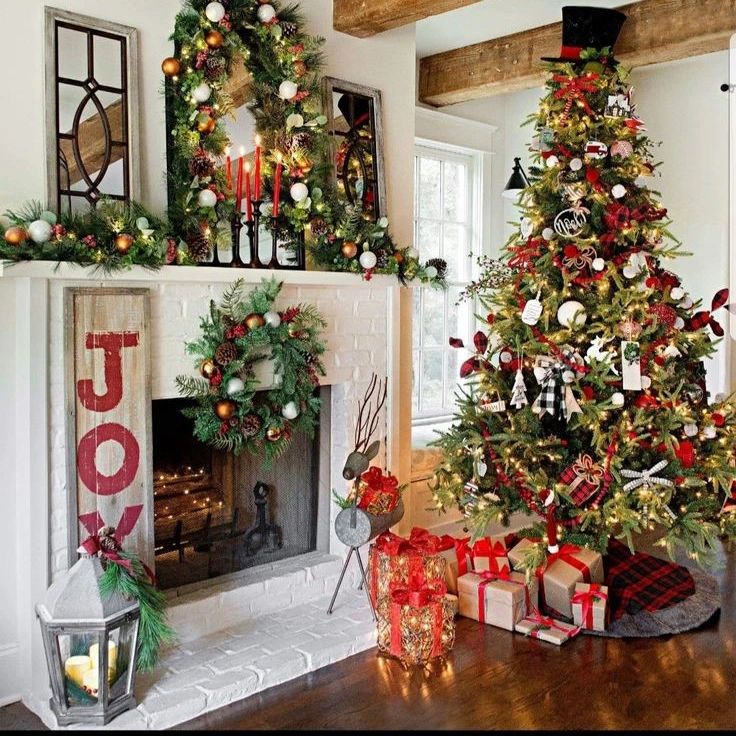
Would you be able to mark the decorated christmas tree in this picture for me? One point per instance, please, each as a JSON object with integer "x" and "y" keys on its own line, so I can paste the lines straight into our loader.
{"x": 617, "y": 436}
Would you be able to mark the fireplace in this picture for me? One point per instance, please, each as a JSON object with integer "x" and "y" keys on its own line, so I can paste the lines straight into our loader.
{"x": 216, "y": 513}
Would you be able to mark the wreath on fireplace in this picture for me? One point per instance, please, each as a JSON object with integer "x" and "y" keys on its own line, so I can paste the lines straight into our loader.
{"x": 258, "y": 371}
{"x": 284, "y": 64}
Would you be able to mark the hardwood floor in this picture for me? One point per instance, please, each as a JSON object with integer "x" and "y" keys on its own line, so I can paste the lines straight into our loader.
{"x": 498, "y": 680}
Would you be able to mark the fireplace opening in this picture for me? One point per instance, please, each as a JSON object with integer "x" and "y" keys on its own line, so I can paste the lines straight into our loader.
{"x": 215, "y": 513}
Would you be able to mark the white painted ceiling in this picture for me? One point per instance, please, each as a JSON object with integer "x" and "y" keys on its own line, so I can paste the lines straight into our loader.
{"x": 490, "y": 19}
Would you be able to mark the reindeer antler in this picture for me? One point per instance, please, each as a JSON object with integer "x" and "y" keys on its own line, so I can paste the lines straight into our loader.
{"x": 368, "y": 414}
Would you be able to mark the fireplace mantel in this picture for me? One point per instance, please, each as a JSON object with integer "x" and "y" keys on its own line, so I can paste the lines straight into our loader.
{"x": 52, "y": 270}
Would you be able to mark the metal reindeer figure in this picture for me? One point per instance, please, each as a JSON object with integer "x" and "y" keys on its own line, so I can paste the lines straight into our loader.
{"x": 355, "y": 527}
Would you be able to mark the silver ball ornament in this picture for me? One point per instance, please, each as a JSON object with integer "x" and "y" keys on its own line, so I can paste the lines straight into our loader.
{"x": 40, "y": 231}
{"x": 206, "y": 198}
{"x": 215, "y": 12}
{"x": 272, "y": 319}
{"x": 234, "y": 385}
{"x": 368, "y": 259}
{"x": 266, "y": 13}
{"x": 290, "y": 411}
{"x": 299, "y": 192}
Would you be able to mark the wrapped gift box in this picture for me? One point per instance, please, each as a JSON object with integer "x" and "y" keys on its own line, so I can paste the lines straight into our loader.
{"x": 457, "y": 556}
{"x": 395, "y": 562}
{"x": 590, "y": 606}
{"x": 546, "y": 629}
{"x": 379, "y": 493}
{"x": 417, "y": 626}
{"x": 517, "y": 552}
{"x": 566, "y": 568}
{"x": 500, "y": 599}
{"x": 490, "y": 554}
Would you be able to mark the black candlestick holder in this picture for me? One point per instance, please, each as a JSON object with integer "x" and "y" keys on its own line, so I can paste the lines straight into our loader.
{"x": 274, "y": 262}
{"x": 237, "y": 227}
{"x": 255, "y": 226}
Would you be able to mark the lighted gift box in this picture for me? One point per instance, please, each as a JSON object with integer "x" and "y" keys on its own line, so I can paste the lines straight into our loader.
{"x": 590, "y": 606}
{"x": 546, "y": 629}
{"x": 499, "y": 599}
{"x": 564, "y": 569}
{"x": 417, "y": 626}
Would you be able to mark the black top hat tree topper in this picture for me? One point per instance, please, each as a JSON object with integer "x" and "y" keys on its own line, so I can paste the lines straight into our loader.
{"x": 585, "y": 27}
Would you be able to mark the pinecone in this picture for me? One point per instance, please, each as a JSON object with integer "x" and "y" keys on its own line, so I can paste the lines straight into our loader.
{"x": 214, "y": 66}
{"x": 440, "y": 264}
{"x": 381, "y": 258}
{"x": 319, "y": 227}
{"x": 250, "y": 426}
{"x": 201, "y": 164}
{"x": 198, "y": 245}
{"x": 300, "y": 140}
{"x": 289, "y": 29}
{"x": 226, "y": 353}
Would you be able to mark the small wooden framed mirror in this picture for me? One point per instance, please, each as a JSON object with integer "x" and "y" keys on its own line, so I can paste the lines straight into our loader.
{"x": 92, "y": 138}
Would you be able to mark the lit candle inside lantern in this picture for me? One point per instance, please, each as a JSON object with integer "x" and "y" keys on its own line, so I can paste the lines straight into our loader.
{"x": 112, "y": 655}
{"x": 76, "y": 667}
{"x": 277, "y": 185}
{"x": 91, "y": 682}
{"x": 248, "y": 200}
{"x": 257, "y": 171}
{"x": 239, "y": 185}
{"x": 228, "y": 169}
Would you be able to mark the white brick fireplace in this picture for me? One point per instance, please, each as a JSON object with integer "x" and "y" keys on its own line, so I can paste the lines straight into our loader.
{"x": 245, "y": 631}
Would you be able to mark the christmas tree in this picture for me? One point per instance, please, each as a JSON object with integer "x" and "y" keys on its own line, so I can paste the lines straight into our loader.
{"x": 617, "y": 435}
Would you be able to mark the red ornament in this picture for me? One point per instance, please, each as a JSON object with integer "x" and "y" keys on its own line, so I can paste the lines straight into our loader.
{"x": 653, "y": 282}
{"x": 571, "y": 251}
{"x": 490, "y": 318}
{"x": 644, "y": 401}
{"x": 664, "y": 313}
{"x": 718, "y": 419}
{"x": 589, "y": 393}
{"x": 592, "y": 175}
{"x": 685, "y": 453}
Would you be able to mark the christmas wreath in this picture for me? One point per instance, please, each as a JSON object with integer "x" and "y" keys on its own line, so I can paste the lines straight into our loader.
{"x": 244, "y": 344}
{"x": 285, "y": 64}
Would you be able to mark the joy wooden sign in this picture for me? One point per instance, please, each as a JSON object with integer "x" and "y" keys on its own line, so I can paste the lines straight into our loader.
{"x": 109, "y": 416}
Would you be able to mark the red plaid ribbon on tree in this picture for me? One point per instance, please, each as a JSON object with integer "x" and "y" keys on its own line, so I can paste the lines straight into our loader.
{"x": 583, "y": 479}
{"x": 705, "y": 317}
{"x": 641, "y": 582}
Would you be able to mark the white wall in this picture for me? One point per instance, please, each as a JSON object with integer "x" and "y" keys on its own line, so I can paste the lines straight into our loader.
{"x": 683, "y": 108}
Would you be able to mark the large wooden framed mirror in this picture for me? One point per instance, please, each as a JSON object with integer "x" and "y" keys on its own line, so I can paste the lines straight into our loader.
{"x": 92, "y": 135}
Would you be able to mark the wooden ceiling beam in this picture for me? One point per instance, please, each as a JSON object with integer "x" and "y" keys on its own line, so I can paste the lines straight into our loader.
{"x": 364, "y": 18}
{"x": 655, "y": 31}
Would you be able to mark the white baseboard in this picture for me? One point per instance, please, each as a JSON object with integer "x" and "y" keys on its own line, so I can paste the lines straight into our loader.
{"x": 9, "y": 667}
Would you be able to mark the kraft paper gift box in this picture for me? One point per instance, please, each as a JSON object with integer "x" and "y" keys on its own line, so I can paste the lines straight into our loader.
{"x": 489, "y": 553}
{"x": 566, "y": 568}
{"x": 590, "y": 606}
{"x": 458, "y": 558}
{"x": 499, "y": 600}
{"x": 546, "y": 629}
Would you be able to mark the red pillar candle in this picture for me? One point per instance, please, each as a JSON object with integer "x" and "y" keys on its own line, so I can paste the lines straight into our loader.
{"x": 277, "y": 185}
{"x": 257, "y": 172}
{"x": 228, "y": 169}
{"x": 239, "y": 185}
{"x": 248, "y": 201}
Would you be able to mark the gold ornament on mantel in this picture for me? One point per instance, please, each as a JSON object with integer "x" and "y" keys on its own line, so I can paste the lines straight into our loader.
{"x": 123, "y": 243}
{"x": 299, "y": 67}
{"x": 254, "y": 321}
{"x": 349, "y": 249}
{"x": 214, "y": 39}
{"x": 225, "y": 409}
{"x": 206, "y": 124}
{"x": 171, "y": 66}
{"x": 207, "y": 368}
{"x": 273, "y": 434}
{"x": 15, "y": 235}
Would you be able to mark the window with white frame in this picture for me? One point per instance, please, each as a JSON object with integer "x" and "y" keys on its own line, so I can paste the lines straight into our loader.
{"x": 446, "y": 214}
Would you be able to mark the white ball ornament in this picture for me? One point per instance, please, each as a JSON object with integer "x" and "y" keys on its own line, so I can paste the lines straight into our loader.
{"x": 548, "y": 233}
{"x": 506, "y": 357}
{"x": 266, "y": 13}
{"x": 709, "y": 432}
{"x": 568, "y": 376}
{"x": 430, "y": 272}
{"x": 202, "y": 92}
{"x": 576, "y": 164}
{"x": 552, "y": 161}
{"x": 630, "y": 272}
{"x": 368, "y": 260}
{"x": 299, "y": 192}
{"x": 215, "y": 12}
{"x": 571, "y": 314}
{"x": 677, "y": 293}
{"x": 207, "y": 198}
{"x": 412, "y": 253}
{"x": 40, "y": 231}
{"x": 679, "y": 323}
{"x": 618, "y": 191}
{"x": 234, "y": 385}
{"x": 617, "y": 399}
{"x": 686, "y": 303}
{"x": 287, "y": 88}
{"x": 290, "y": 411}
{"x": 690, "y": 430}
{"x": 272, "y": 319}
{"x": 646, "y": 382}
{"x": 598, "y": 264}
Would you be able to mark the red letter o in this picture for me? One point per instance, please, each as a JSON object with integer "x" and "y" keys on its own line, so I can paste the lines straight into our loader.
{"x": 107, "y": 485}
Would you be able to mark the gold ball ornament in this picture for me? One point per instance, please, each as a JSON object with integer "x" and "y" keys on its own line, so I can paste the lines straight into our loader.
{"x": 274, "y": 434}
{"x": 349, "y": 249}
{"x": 171, "y": 66}
{"x": 593, "y": 67}
{"x": 225, "y": 409}
{"x": 206, "y": 124}
{"x": 15, "y": 236}
{"x": 399, "y": 256}
{"x": 207, "y": 368}
{"x": 254, "y": 321}
{"x": 299, "y": 67}
{"x": 214, "y": 39}
{"x": 123, "y": 243}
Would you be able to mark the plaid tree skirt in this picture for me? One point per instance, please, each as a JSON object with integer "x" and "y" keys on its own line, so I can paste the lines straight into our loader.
{"x": 642, "y": 582}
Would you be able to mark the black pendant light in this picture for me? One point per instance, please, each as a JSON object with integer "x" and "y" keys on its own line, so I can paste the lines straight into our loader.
{"x": 517, "y": 181}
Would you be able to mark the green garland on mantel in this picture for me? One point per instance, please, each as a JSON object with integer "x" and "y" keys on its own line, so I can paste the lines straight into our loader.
{"x": 285, "y": 64}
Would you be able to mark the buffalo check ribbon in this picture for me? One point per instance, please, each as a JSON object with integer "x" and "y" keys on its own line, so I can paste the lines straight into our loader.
{"x": 705, "y": 317}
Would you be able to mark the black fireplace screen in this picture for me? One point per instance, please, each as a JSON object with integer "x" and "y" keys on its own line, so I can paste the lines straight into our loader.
{"x": 215, "y": 513}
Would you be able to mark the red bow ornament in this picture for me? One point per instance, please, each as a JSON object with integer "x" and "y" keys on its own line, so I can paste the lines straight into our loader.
{"x": 574, "y": 89}
{"x": 700, "y": 319}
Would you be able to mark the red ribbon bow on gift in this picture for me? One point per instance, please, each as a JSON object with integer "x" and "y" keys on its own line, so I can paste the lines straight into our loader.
{"x": 489, "y": 576}
{"x": 463, "y": 552}
{"x": 575, "y": 88}
{"x": 491, "y": 550}
{"x": 392, "y": 544}
{"x": 586, "y": 598}
{"x": 429, "y": 544}
{"x": 417, "y": 597}
{"x": 381, "y": 491}
{"x": 704, "y": 317}
{"x": 543, "y": 622}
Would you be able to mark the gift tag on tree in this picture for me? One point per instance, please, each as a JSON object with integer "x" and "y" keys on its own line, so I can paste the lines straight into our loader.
{"x": 631, "y": 365}
{"x": 570, "y": 222}
{"x": 618, "y": 106}
{"x": 532, "y": 311}
{"x": 518, "y": 392}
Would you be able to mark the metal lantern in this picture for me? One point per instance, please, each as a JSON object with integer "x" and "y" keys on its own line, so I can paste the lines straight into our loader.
{"x": 91, "y": 646}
